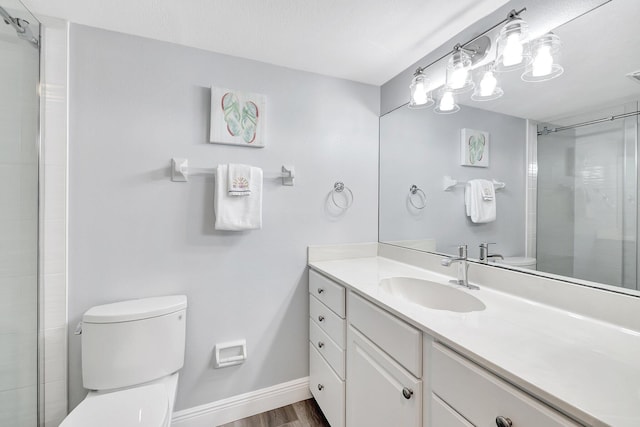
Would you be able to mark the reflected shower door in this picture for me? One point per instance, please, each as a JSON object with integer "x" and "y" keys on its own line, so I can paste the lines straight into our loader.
{"x": 587, "y": 201}
{"x": 19, "y": 110}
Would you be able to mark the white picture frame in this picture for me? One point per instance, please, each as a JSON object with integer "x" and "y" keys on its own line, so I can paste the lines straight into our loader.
{"x": 237, "y": 118}
{"x": 474, "y": 148}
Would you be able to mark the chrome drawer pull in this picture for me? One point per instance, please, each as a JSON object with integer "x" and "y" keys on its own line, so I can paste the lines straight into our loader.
{"x": 503, "y": 422}
{"x": 320, "y": 387}
{"x": 320, "y": 318}
{"x": 407, "y": 393}
{"x": 320, "y": 290}
{"x": 320, "y": 344}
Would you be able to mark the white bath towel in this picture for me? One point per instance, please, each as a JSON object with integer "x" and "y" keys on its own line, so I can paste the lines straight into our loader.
{"x": 480, "y": 200}
{"x": 238, "y": 213}
{"x": 239, "y": 180}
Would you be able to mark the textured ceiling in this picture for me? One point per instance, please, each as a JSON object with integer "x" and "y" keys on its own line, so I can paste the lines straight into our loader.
{"x": 363, "y": 40}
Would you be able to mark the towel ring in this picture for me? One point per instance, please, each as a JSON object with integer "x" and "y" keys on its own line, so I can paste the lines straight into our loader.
{"x": 339, "y": 187}
{"x": 413, "y": 190}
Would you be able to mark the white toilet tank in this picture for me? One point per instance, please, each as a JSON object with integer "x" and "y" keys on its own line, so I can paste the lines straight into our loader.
{"x": 133, "y": 342}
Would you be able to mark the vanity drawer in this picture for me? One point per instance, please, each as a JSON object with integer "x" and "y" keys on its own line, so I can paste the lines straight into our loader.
{"x": 397, "y": 338}
{"x": 480, "y": 396}
{"x": 327, "y": 388}
{"x": 333, "y": 354}
{"x": 442, "y": 415}
{"x": 328, "y": 292}
{"x": 328, "y": 321}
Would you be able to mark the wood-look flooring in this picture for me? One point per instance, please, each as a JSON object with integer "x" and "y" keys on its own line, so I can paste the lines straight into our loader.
{"x": 300, "y": 414}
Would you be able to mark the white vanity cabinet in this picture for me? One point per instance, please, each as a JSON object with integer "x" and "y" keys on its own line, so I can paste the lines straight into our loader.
{"x": 384, "y": 366}
{"x": 464, "y": 395}
{"x": 327, "y": 342}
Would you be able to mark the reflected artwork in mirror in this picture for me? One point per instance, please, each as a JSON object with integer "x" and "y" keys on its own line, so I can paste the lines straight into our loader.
{"x": 564, "y": 141}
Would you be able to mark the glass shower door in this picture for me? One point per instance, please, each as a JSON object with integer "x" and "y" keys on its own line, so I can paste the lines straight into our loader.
{"x": 587, "y": 200}
{"x": 19, "y": 152}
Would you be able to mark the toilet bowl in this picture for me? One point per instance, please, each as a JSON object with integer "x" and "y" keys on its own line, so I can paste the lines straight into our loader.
{"x": 520, "y": 262}
{"x": 131, "y": 354}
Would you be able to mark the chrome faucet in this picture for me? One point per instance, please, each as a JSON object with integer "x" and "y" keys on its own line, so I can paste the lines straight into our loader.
{"x": 485, "y": 256}
{"x": 463, "y": 267}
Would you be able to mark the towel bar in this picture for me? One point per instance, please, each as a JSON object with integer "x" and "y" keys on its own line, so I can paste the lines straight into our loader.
{"x": 180, "y": 172}
{"x": 449, "y": 183}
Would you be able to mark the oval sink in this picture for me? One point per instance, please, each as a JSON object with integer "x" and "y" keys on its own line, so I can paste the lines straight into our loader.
{"x": 431, "y": 294}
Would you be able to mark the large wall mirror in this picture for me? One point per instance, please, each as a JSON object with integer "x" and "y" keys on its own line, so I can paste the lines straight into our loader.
{"x": 566, "y": 151}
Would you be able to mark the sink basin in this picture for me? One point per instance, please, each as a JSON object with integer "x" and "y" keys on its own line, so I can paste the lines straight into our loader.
{"x": 431, "y": 294}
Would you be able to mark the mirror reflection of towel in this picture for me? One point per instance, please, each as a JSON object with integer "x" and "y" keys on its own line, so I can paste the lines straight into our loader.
{"x": 480, "y": 201}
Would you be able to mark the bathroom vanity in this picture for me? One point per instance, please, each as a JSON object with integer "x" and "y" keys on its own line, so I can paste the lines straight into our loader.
{"x": 395, "y": 344}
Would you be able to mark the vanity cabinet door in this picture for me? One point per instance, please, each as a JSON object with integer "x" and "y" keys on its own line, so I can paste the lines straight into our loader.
{"x": 380, "y": 393}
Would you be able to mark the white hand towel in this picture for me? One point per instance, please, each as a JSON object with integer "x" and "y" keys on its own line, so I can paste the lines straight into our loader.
{"x": 238, "y": 213}
{"x": 239, "y": 180}
{"x": 480, "y": 201}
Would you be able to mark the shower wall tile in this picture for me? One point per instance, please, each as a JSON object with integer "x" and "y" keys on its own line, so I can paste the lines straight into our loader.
{"x": 18, "y": 360}
{"x": 53, "y": 198}
{"x": 16, "y": 407}
{"x": 55, "y": 402}
{"x": 18, "y": 312}
{"x": 55, "y": 182}
{"x": 55, "y": 360}
{"x": 55, "y": 301}
{"x": 54, "y": 237}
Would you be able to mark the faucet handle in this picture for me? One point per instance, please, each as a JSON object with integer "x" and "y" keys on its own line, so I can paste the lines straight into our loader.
{"x": 462, "y": 251}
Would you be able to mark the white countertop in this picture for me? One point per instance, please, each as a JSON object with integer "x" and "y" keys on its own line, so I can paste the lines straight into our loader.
{"x": 586, "y": 368}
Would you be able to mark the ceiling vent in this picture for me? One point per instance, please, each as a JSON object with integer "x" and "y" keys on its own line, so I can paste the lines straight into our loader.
{"x": 635, "y": 76}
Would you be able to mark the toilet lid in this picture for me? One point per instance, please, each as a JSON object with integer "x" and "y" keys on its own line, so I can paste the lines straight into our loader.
{"x": 146, "y": 406}
{"x": 518, "y": 261}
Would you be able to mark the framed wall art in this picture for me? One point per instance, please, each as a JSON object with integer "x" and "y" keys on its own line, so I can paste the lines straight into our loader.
{"x": 237, "y": 118}
{"x": 474, "y": 148}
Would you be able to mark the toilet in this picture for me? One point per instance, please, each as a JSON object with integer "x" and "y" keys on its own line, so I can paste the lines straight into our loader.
{"x": 131, "y": 354}
{"x": 519, "y": 261}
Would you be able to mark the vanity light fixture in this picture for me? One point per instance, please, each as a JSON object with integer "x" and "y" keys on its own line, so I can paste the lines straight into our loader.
{"x": 513, "y": 44}
{"x": 447, "y": 103}
{"x": 513, "y": 52}
{"x": 489, "y": 87}
{"x": 420, "y": 90}
{"x": 545, "y": 59}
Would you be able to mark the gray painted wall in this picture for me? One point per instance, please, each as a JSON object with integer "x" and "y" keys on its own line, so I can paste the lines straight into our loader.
{"x": 135, "y": 104}
{"x": 420, "y": 147}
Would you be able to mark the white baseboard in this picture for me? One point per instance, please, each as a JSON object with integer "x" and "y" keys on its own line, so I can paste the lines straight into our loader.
{"x": 244, "y": 405}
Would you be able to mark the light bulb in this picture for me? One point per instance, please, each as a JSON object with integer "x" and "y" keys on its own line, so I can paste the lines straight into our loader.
{"x": 459, "y": 77}
{"x": 447, "y": 102}
{"x": 419, "y": 94}
{"x": 488, "y": 84}
{"x": 543, "y": 62}
{"x": 513, "y": 50}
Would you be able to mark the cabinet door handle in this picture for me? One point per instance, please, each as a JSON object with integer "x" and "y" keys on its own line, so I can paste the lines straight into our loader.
{"x": 320, "y": 387}
{"x": 320, "y": 344}
{"x": 320, "y": 318}
{"x": 407, "y": 393}
{"x": 503, "y": 422}
{"x": 320, "y": 290}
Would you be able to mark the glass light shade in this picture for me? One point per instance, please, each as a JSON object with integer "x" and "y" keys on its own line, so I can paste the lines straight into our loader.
{"x": 546, "y": 51}
{"x": 447, "y": 103}
{"x": 459, "y": 72}
{"x": 513, "y": 46}
{"x": 489, "y": 87}
{"x": 420, "y": 94}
